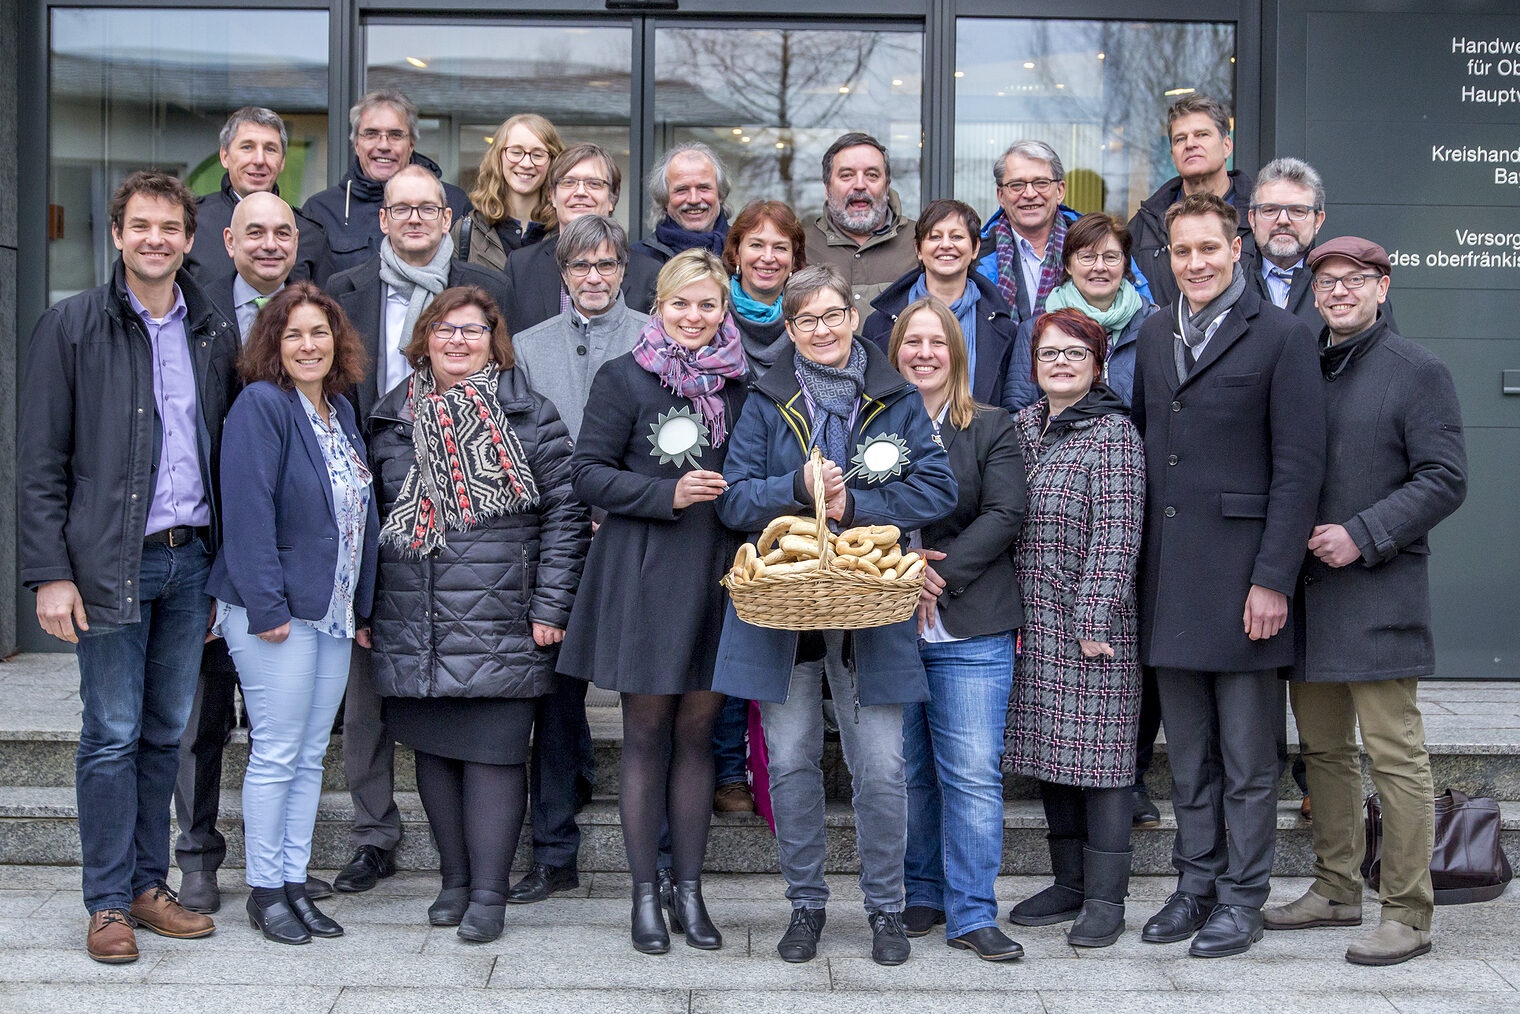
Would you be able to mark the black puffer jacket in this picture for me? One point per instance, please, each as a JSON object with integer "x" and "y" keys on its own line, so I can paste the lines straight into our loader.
{"x": 456, "y": 624}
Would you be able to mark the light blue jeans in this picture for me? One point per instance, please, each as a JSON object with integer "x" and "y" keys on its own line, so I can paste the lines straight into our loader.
{"x": 292, "y": 691}
{"x": 953, "y": 748}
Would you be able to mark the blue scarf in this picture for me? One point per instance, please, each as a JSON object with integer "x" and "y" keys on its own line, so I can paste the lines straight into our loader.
{"x": 751, "y": 308}
{"x": 965, "y": 315}
{"x": 679, "y": 239}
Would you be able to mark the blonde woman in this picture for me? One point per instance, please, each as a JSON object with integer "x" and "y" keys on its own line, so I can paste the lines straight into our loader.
{"x": 511, "y": 194}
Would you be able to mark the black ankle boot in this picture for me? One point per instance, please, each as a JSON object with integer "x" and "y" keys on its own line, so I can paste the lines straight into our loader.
{"x": 449, "y": 906}
{"x": 1106, "y": 879}
{"x": 484, "y": 917}
{"x": 275, "y": 919}
{"x": 1063, "y": 899}
{"x": 688, "y": 914}
{"x": 649, "y": 933}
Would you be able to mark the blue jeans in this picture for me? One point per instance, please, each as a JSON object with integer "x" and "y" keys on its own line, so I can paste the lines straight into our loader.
{"x": 137, "y": 682}
{"x": 728, "y": 743}
{"x": 953, "y": 748}
{"x": 292, "y": 691}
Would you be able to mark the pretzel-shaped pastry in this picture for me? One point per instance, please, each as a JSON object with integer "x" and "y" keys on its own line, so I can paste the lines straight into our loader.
{"x": 799, "y": 545}
{"x": 912, "y": 570}
{"x": 891, "y": 558}
{"x": 853, "y": 547}
{"x": 856, "y": 563}
{"x": 777, "y": 528}
{"x": 799, "y": 567}
{"x": 877, "y": 535}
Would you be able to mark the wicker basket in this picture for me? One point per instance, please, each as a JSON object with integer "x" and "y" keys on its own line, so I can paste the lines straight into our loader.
{"x": 824, "y": 599}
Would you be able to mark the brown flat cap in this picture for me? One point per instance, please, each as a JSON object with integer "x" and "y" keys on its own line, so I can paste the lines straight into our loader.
{"x": 1363, "y": 252}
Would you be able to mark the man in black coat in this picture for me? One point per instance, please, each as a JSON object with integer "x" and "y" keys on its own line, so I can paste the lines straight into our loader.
{"x": 126, "y": 388}
{"x": 1198, "y": 130}
{"x": 1397, "y": 467}
{"x": 1229, "y": 402}
{"x": 253, "y": 145}
{"x": 383, "y": 298}
{"x": 584, "y": 180}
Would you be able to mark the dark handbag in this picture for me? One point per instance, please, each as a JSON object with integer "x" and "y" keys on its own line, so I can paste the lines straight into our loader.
{"x": 1467, "y": 863}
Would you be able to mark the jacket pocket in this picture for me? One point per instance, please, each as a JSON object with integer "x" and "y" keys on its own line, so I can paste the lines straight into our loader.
{"x": 1243, "y": 505}
{"x": 1239, "y": 380}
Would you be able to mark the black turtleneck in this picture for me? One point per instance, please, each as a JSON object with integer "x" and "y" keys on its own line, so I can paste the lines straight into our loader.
{"x": 1099, "y": 401}
{"x": 1336, "y": 359}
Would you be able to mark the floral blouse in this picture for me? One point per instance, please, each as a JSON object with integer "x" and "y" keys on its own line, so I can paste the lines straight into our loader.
{"x": 351, "y": 488}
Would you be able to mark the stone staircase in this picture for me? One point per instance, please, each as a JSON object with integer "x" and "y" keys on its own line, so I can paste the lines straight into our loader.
{"x": 1472, "y": 727}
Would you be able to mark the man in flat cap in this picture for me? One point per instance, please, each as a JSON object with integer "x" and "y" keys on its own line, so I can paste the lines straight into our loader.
{"x": 1396, "y": 467}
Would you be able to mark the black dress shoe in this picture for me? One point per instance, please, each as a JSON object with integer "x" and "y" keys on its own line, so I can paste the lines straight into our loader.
{"x": 1143, "y": 812}
{"x": 542, "y": 881}
{"x": 198, "y": 892}
{"x": 317, "y": 888}
{"x": 918, "y": 920}
{"x": 370, "y": 865}
{"x": 648, "y": 932}
{"x": 800, "y": 941}
{"x": 688, "y": 915}
{"x": 482, "y": 923}
{"x": 277, "y": 922}
{"x": 989, "y": 943}
{"x": 449, "y": 907}
{"x": 1230, "y": 929}
{"x": 889, "y": 944}
{"x": 316, "y": 923}
{"x": 1183, "y": 915}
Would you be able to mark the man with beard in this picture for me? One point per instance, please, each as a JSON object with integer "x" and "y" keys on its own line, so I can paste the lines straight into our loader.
{"x": 862, "y": 232}
{"x": 687, "y": 191}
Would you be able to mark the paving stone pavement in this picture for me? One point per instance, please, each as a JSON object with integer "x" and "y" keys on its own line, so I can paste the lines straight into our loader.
{"x": 571, "y": 954}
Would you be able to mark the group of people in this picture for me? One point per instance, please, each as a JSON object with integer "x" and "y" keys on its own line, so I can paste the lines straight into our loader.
{"x": 403, "y": 452}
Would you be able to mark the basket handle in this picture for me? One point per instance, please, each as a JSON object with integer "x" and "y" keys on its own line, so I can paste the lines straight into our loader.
{"x": 825, "y": 551}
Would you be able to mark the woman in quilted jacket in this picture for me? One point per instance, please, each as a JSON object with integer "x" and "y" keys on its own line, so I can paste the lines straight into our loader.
{"x": 481, "y": 547}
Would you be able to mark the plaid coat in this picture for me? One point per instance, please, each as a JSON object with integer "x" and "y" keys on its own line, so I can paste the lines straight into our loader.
{"x": 1071, "y": 720}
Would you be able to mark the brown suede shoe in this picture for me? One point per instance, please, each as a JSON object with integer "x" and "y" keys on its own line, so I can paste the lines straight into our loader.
{"x": 110, "y": 939}
{"x": 1303, "y": 808}
{"x": 158, "y": 910}
{"x": 733, "y": 798}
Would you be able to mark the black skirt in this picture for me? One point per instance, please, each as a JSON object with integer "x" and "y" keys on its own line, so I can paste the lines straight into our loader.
{"x": 480, "y": 730}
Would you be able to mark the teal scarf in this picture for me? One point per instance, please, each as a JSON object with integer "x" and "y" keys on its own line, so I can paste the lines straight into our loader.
{"x": 1116, "y": 318}
{"x": 751, "y": 308}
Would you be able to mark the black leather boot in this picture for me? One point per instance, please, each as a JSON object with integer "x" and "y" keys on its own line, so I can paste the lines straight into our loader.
{"x": 1063, "y": 899}
{"x": 688, "y": 914}
{"x": 448, "y": 908}
{"x": 277, "y": 922}
{"x": 649, "y": 933}
{"x": 1106, "y": 882}
{"x": 483, "y": 921}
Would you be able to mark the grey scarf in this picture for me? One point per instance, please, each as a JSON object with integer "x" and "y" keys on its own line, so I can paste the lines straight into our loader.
{"x": 834, "y": 392}
{"x": 1193, "y": 328}
{"x": 419, "y": 284}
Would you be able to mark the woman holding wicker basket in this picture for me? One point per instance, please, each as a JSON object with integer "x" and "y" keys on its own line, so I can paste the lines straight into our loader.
{"x": 838, "y": 395}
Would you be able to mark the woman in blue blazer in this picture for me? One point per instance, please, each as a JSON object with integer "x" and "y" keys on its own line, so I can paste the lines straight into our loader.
{"x": 293, "y": 581}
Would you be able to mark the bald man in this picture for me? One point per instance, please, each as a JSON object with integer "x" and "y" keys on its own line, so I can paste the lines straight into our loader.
{"x": 262, "y": 243}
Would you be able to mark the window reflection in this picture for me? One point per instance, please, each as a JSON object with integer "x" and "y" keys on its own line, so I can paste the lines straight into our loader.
{"x": 1096, "y": 91}
{"x": 771, "y": 101}
{"x": 134, "y": 89}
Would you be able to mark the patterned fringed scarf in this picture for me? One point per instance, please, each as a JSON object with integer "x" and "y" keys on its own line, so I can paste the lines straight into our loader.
{"x": 468, "y": 467}
{"x": 1009, "y": 271}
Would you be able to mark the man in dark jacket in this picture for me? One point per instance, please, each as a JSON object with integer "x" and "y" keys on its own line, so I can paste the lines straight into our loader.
{"x": 1397, "y": 467}
{"x": 688, "y": 191}
{"x": 253, "y": 153}
{"x": 1198, "y": 129}
{"x": 584, "y": 180}
{"x": 1228, "y": 398}
{"x": 383, "y": 131}
{"x": 126, "y": 387}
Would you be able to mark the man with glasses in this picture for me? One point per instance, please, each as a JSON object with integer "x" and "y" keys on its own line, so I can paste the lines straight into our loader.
{"x": 383, "y": 131}
{"x": 584, "y": 180}
{"x": 687, "y": 192}
{"x": 1198, "y": 131}
{"x": 383, "y": 298}
{"x": 253, "y": 145}
{"x": 1230, "y": 404}
{"x": 1397, "y": 466}
{"x": 862, "y": 233}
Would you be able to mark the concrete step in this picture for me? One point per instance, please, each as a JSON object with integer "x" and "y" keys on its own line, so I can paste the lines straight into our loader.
{"x": 38, "y": 827}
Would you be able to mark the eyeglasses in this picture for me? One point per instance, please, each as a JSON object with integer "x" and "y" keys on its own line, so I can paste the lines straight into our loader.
{"x": 1296, "y": 212}
{"x": 537, "y": 156}
{"x": 1352, "y": 282}
{"x": 807, "y": 323}
{"x": 1110, "y": 258}
{"x": 401, "y": 212}
{"x": 1039, "y": 185}
{"x": 580, "y": 269}
{"x": 372, "y": 135}
{"x": 1075, "y": 354}
{"x": 593, "y": 184}
{"x": 444, "y": 331}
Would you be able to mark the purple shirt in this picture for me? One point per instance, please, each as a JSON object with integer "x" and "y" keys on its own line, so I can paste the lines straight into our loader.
{"x": 179, "y": 497}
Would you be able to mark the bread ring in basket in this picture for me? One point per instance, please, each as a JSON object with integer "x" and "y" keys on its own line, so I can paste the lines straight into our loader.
{"x": 891, "y": 558}
{"x": 853, "y": 547}
{"x": 877, "y": 535}
{"x": 799, "y": 545}
{"x": 800, "y": 567}
{"x": 856, "y": 563}
{"x": 778, "y": 528}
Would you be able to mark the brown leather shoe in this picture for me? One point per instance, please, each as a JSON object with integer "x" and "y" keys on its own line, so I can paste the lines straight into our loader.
{"x": 157, "y": 909}
{"x": 1303, "y": 808}
{"x": 110, "y": 939}
{"x": 733, "y": 798}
